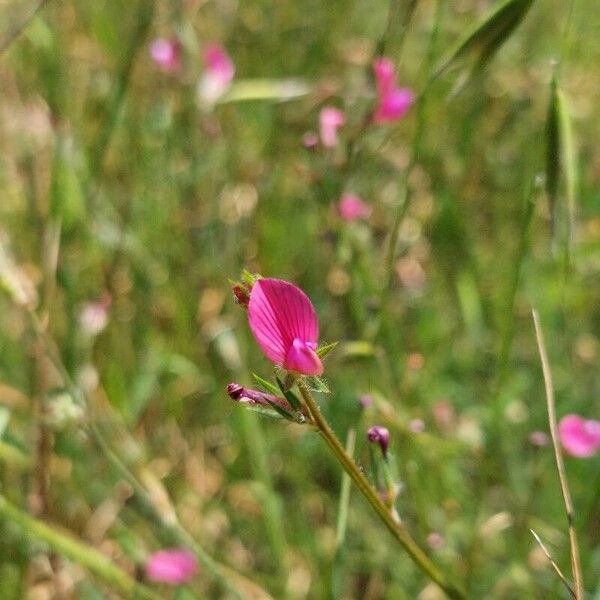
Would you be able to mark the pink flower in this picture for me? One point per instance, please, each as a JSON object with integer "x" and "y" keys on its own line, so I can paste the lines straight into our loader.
{"x": 539, "y": 438}
{"x": 393, "y": 102}
{"x": 173, "y": 566}
{"x": 330, "y": 120}
{"x": 352, "y": 207}
{"x": 385, "y": 76}
{"x": 579, "y": 437}
{"x": 93, "y": 316}
{"x": 379, "y": 435}
{"x": 218, "y": 74}
{"x": 285, "y": 326}
{"x": 166, "y": 54}
{"x": 365, "y": 401}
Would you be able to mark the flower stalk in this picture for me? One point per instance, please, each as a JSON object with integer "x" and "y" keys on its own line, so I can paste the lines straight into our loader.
{"x": 395, "y": 527}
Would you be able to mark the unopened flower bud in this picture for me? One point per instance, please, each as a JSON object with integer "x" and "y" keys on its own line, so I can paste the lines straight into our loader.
{"x": 247, "y": 396}
{"x": 241, "y": 294}
{"x": 379, "y": 435}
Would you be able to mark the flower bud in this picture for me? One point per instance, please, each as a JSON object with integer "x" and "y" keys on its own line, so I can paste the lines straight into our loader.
{"x": 244, "y": 395}
{"x": 379, "y": 435}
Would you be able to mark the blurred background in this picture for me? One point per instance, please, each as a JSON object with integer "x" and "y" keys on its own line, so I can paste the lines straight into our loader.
{"x": 134, "y": 187}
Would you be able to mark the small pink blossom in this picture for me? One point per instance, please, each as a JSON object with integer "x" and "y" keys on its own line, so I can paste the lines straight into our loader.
{"x": 366, "y": 401}
{"x": 539, "y": 438}
{"x": 330, "y": 120}
{"x": 285, "y": 326}
{"x": 174, "y": 566}
{"x": 351, "y": 208}
{"x": 166, "y": 54}
{"x": 93, "y": 316}
{"x": 416, "y": 425}
{"x": 218, "y": 73}
{"x": 310, "y": 140}
{"x": 393, "y": 102}
{"x": 435, "y": 541}
{"x": 379, "y": 435}
{"x": 579, "y": 437}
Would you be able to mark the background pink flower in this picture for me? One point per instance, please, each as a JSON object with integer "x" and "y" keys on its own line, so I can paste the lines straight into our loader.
{"x": 219, "y": 71}
{"x": 579, "y": 437}
{"x": 385, "y": 76}
{"x": 352, "y": 207}
{"x": 174, "y": 566}
{"x": 166, "y": 54}
{"x": 330, "y": 120}
{"x": 393, "y": 102}
{"x": 285, "y": 326}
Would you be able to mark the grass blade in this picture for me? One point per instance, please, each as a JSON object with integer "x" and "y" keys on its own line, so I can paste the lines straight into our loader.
{"x": 560, "y": 465}
{"x": 485, "y": 39}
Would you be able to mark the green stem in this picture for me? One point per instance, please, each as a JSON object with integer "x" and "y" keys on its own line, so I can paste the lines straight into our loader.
{"x": 367, "y": 490}
{"x": 96, "y": 562}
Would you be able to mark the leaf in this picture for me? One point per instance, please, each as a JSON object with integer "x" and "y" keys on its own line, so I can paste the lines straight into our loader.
{"x": 279, "y": 90}
{"x": 561, "y": 164}
{"x": 485, "y": 39}
{"x": 267, "y": 386}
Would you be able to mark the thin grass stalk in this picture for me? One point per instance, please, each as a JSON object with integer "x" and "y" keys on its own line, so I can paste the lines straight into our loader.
{"x": 560, "y": 465}
{"x": 342, "y": 522}
{"x": 77, "y": 551}
{"x": 405, "y": 195}
{"x": 397, "y": 529}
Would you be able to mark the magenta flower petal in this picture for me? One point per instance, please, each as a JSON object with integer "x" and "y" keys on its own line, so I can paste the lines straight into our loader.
{"x": 385, "y": 77}
{"x": 352, "y": 207}
{"x": 393, "y": 105}
{"x": 173, "y": 566}
{"x": 579, "y": 437}
{"x": 285, "y": 326}
{"x": 301, "y": 358}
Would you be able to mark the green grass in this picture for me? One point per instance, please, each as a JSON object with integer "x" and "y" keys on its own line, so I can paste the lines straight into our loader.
{"x": 110, "y": 165}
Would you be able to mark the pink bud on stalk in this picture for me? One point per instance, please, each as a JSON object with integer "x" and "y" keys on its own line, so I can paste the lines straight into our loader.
{"x": 379, "y": 435}
{"x": 351, "y": 208}
{"x": 579, "y": 437}
{"x": 330, "y": 120}
{"x": 393, "y": 102}
{"x": 247, "y": 396}
{"x": 173, "y": 566}
{"x": 285, "y": 326}
{"x": 166, "y": 54}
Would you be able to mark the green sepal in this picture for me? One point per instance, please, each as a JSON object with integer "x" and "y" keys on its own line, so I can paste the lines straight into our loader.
{"x": 284, "y": 413}
{"x": 265, "y": 412}
{"x": 267, "y": 386}
{"x": 289, "y": 395}
{"x": 317, "y": 384}
{"x": 326, "y": 349}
